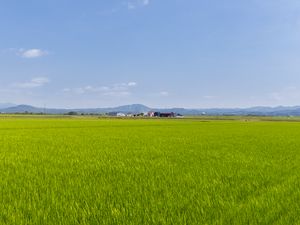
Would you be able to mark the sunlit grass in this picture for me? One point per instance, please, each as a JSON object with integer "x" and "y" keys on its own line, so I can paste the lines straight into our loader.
{"x": 92, "y": 171}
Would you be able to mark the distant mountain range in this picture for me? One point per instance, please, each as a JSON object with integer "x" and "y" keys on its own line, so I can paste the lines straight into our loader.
{"x": 138, "y": 108}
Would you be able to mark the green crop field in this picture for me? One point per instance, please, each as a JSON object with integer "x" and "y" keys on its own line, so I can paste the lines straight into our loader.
{"x": 109, "y": 171}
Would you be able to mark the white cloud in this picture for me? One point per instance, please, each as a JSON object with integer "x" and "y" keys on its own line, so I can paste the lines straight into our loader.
{"x": 133, "y": 4}
{"x": 209, "y": 96}
{"x": 32, "y": 53}
{"x": 286, "y": 94}
{"x": 159, "y": 94}
{"x": 33, "y": 83}
{"x": 132, "y": 84}
{"x": 108, "y": 11}
{"x": 164, "y": 93}
{"x": 119, "y": 89}
{"x": 66, "y": 90}
{"x": 146, "y": 2}
{"x": 130, "y": 5}
{"x": 117, "y": 94}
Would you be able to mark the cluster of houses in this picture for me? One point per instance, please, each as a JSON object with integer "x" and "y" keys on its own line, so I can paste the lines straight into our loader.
{"x": 147, "y": 114}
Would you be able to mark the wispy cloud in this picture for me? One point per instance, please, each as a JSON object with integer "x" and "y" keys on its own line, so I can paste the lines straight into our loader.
{"x": 131, "y": 84}
{"x": 109, "y": 11}
{"x": 133, "y": 4}
{"x": 32, "y": 53}
{"x": 159, "y": 94}
{"x": 128, "y": 4}
{"x": 164, "y": 93}
{"x": 286, "y": 94}
{"x": 33, "y": 83}
{"x": 119, "y": 89}
{"x": 209, "y": 97}
{"x": 117, "y": 93}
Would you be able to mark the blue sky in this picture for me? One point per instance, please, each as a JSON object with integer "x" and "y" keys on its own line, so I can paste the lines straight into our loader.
{"x": 162, "y": 53}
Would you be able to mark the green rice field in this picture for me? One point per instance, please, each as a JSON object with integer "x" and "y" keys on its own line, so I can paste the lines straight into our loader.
{"x": 112, "y": 171}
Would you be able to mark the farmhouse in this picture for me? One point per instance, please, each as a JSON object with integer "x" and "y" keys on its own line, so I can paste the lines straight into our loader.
{"x": 159, "y": 114}
{"x": 171, "y": 114}
{"x": 150, "y": 114}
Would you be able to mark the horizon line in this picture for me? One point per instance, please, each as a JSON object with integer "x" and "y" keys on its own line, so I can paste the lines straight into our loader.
{"x": 159, "y": 107}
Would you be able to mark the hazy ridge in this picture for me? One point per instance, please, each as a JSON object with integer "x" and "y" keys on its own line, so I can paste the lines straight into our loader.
{"x": 139, "y": 108}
